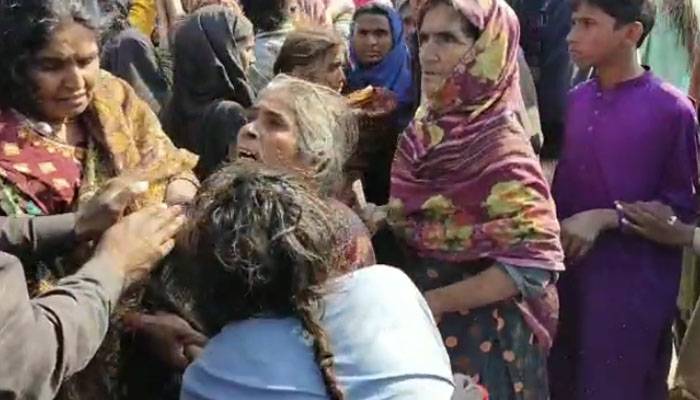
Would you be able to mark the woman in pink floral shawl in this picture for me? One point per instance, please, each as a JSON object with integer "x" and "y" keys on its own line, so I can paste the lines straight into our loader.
{"x": 469, "y": 199}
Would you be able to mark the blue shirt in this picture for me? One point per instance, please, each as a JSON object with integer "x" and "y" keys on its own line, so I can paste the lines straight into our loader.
{"x": 382, "y": 334}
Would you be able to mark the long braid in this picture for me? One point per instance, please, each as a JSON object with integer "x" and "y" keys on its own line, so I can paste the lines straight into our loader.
{"x": 322, "y": 350}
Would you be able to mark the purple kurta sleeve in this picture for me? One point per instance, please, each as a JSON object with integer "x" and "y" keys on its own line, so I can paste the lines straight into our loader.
{"x": 680, "y": 177}
{"x": 45, "y": 340}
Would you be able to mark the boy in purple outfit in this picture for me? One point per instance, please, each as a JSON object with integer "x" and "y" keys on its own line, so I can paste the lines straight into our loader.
{"x": 629, "y": 137}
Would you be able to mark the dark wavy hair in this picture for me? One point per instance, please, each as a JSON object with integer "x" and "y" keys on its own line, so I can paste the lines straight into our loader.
{"x": 26, "y": 27}
{"x": 262, "y": 242}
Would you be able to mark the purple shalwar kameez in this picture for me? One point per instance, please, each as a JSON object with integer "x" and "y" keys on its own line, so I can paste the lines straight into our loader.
{"x": 634, "y": 142}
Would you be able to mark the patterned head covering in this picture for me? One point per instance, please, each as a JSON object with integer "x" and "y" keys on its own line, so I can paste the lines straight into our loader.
{"x": 466, "y": 184}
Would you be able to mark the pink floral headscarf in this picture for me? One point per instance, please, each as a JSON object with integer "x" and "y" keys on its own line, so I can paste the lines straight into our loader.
{"x": 466, "y": 184}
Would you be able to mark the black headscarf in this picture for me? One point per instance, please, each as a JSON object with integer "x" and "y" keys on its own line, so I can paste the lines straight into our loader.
{"x": 130, "y": 55}
{"x": 208, "y": 71}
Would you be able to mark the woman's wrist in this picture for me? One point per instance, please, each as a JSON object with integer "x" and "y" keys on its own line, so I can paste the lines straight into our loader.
{"x": 611, "y": 219}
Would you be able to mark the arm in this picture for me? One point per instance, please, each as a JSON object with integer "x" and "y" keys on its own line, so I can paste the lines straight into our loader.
{"x": 669, "y": 218}
{"x": 679, "y": 181}
{"x": 21, "y": 235}
{"x": 43, "y": 341}
{"x": 488, "y": 287}
{"x": 580, "y": 232}
{"x": 498, "y": 283}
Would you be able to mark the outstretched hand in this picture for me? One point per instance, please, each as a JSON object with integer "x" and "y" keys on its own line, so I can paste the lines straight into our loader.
{"x": 656, "y": 222}
{"x": 140, "y": 240}
{"x": 169, "y": 337}
{"x": 105, "y": 209}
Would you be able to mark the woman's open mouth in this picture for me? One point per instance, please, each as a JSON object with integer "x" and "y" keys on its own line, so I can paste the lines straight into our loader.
{"x": 246, "y": 154}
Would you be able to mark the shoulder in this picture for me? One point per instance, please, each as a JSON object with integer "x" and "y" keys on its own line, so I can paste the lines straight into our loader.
{"x": 671, "y": 98}
{"x": 378, "y": 284}
{"x": 112, "y": 89}
{"x": 348, "y": 217}
{"x": 115, "y": 98}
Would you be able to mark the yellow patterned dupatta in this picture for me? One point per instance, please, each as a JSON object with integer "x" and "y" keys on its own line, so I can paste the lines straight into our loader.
{"x": 129, "y": 139}
{"x": 41, "y": 176}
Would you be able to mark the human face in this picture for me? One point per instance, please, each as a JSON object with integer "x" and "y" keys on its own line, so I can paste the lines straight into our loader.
{"x": 271, "y": 137}
{"x": 372, "y": 38}
{"x": 595, "y": 39}
{"x": 443, "y": 44}
{"x": 65, "y": 72}
{"x": 332, "y": 71}
{"x": 327, "y": 71}
{"x": 247, "y": 53}
{"x": 409, "y": 24}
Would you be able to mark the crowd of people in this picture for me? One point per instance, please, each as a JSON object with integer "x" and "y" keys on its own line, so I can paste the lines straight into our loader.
{"x": 338, "y": 199}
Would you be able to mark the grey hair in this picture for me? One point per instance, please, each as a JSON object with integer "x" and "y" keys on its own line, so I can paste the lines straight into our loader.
{"x": 326, "y": 126}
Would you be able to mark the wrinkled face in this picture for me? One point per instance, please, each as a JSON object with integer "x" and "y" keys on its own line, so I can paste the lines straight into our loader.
{"x": 247, "y": 53}
{"x": 327, "y": 71}
{"x": 65, "y": 72}
{"x": 409, "y": 24}
{"x": 595, "y": 39}
{"x": 271, "y": 136}
{"x": 372, "y": 38}
{"x": 443, "y": 44}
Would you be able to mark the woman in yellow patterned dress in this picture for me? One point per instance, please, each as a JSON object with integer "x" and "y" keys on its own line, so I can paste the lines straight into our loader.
{"x": 66, "y": 127}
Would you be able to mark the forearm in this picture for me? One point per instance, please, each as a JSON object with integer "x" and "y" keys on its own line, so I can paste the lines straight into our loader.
{"x": 490, "y": 286}
{"x": 609, "y": 219}
{"x": 47, "y": 339}
{"x": 21, "y": 235}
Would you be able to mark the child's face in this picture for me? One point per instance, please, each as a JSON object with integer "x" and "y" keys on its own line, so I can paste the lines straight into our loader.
{"x": 595, "y": 39}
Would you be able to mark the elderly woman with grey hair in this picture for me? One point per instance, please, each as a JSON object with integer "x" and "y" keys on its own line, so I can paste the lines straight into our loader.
{"x": 310, "y": 130}
{"x": 301, "y": 128}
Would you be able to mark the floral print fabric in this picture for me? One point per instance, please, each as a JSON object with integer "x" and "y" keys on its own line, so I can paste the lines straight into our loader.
{"x": 124, "y": 136}
{"x": 466, "y": 185}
